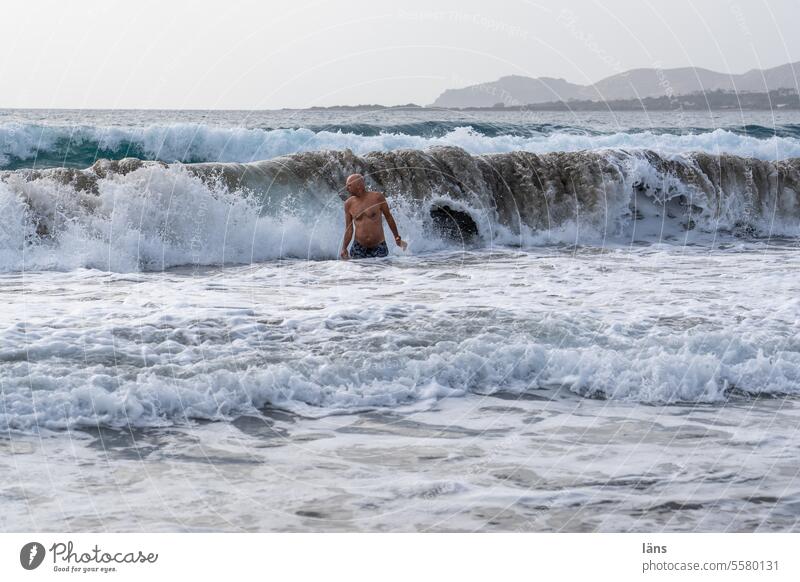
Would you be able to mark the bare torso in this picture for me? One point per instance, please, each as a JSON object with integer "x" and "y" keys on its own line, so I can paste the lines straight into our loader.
{"x": 367, "y": 218}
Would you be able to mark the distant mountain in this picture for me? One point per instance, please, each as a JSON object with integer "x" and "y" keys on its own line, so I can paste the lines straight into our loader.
{"x": 717, "y": 100}
{"x": 517, "y": 90}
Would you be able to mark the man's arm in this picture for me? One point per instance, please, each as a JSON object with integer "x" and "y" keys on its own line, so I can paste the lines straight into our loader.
{"x": 348, "y": 232}
{"x": 390, "y": 221}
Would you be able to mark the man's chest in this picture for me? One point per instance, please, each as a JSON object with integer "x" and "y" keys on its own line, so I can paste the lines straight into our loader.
{"x": 366, "y": 209}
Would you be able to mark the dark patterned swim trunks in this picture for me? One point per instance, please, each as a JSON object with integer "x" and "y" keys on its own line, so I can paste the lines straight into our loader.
{"x": 359, "y": 252}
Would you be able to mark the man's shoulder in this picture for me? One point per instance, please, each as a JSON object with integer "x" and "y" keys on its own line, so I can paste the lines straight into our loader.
{"x": 378, "y": 196}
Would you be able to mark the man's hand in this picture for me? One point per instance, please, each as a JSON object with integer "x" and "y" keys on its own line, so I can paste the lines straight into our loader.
{"x": 392, "y": 224}
{"x": 344, "y": 255}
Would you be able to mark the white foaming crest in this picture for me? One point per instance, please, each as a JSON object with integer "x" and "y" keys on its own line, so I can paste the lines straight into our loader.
{"x": 150, "y": 219}
{"x": 157, "y": 350}
{"x": 156, "y": 218}
{"x": 197, "y": 142}
{"x": 160, "y": 217}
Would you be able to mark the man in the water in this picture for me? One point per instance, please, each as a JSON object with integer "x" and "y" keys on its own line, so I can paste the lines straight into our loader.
{"x": 364, "y": 212}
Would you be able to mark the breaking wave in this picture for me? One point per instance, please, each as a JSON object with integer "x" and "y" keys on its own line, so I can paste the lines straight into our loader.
{"x": 42, "y": 146}
{"x": 133, "y": 215}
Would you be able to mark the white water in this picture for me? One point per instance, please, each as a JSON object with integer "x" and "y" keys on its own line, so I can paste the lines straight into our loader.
{"x": 161, "y": 217}
{"x": 644, "y": 380}
{"x": 433, "y": 392}
{"x": 197, "y": 142}
{"x": 657, "y": 325}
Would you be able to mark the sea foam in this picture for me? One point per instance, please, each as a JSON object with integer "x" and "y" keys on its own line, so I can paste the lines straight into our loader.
{"x": 25, "y": 145}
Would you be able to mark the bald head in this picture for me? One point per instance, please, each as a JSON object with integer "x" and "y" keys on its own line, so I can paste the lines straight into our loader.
{"x": 355, "y": 184}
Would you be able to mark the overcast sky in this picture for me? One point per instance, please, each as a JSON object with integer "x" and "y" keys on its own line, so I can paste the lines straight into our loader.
{"x": 270, "y": 54}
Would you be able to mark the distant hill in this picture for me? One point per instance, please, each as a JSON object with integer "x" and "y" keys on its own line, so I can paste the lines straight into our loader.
{"x": 717, "y": 100}
{"x": 517, "y": 90}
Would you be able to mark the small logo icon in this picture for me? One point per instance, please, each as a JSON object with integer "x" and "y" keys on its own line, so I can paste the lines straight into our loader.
{"x": 31, "y": 555}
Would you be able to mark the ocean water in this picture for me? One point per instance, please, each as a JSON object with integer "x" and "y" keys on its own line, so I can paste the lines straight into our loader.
{"x": 601, "y": 334}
